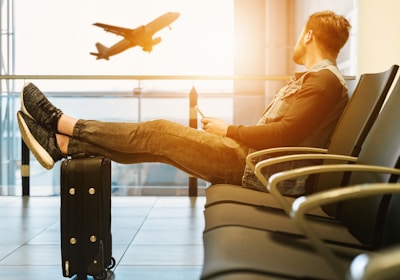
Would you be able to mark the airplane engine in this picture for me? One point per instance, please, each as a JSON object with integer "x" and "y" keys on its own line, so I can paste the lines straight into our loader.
{"x": 156, "y": 41}
{"x": 149, "y": 46}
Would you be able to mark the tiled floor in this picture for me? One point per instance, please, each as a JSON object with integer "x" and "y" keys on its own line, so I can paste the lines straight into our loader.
{"x": 153, "y": 238}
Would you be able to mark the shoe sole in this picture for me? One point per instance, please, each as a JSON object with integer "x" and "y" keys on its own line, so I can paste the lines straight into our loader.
{"x": 23, "y": 108}
{"x": 38, "y": 151}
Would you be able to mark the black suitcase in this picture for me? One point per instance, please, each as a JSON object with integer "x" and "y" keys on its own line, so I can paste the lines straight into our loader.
{"x": 86, "y": 242}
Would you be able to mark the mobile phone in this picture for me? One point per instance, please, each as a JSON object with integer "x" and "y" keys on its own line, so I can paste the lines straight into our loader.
{"x": 200, "y": 112}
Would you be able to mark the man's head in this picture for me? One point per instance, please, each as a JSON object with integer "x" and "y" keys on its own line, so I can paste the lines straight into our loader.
{"x": 327, "y": 30}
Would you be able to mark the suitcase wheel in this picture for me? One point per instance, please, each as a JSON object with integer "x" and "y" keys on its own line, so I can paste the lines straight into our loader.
{"x": 101, "y": 276}
{"x": 112, "y": 263}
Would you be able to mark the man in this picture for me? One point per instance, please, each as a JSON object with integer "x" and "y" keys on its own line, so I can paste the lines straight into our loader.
{"x": 303, "y": 113}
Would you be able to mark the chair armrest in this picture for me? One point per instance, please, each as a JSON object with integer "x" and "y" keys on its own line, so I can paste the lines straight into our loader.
{"x": 271, "y": 161}
{"x": 380, "y": 265}
{"x": 273, "y": 181}
{"x": 305, "y": 203}
{"x": 302, "y": 204}
{"x": 250, "y": 157}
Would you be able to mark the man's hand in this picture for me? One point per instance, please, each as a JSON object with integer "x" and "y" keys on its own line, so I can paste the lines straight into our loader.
{"x": 215, "y": 126}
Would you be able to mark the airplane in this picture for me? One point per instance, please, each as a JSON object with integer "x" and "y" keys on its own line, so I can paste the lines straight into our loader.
{"x": 141, "y": 36}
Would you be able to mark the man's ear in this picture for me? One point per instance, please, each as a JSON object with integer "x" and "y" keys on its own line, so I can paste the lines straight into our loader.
{"x": 308, "y": 37}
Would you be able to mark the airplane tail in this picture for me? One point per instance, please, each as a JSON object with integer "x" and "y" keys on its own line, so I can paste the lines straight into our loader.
{"x": 101, "y": 51}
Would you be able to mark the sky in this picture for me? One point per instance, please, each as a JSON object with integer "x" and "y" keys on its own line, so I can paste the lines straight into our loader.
{"x": 56, "y": 37}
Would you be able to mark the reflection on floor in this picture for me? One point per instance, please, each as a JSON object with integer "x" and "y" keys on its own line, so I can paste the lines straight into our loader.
{"x": 153, "y": 238}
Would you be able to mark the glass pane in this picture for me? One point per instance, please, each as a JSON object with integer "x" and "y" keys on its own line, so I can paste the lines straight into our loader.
{"x": 56, "y": 38}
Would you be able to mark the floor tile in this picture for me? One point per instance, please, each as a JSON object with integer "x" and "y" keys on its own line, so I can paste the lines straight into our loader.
{"x": 50, "y": 235}
{"x": 6, "y": 200}
{"x": 137, "y": 212}
{"x": 157, "y": 272}
{"x": 31, "y": 273}
{"x": 168, "y": 236}
{"x": 153, "y": 238}
{"x": 7, "y": 249}
{"x": 163, "y": 255}
{"x": 176, "y": 212}
{"x": 34, "y": 255}
{"x": 183, "y": 223}
{"x": 124, "y": 236}
{"x": 186, "y": 202}
{"x": 133, "y": 201}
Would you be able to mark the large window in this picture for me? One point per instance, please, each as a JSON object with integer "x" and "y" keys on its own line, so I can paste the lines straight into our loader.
{"x": 56, "y": 38}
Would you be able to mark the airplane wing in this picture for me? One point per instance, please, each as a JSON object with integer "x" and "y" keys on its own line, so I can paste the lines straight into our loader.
{"x": 114, "y": 29}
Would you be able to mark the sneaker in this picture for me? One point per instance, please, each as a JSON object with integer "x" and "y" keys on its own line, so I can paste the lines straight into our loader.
{"x": 40, "y": 141}
{"x": 35, "y": 105}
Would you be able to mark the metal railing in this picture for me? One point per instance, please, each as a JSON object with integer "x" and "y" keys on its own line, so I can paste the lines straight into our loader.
{"x": 192, "y": 95}
{"x": 148, "y": 77}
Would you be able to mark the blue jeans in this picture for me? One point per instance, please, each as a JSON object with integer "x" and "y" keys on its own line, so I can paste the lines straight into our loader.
{"x": 204, "y": 155}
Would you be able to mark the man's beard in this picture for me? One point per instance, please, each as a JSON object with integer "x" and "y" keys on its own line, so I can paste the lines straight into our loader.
{"x": 299, "y": 54}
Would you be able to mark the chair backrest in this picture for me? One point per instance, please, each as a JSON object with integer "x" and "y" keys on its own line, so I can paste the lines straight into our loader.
{"x": 391, "y": 226}
{"x": 381, "y": 147}
{"x": 357, "y": 120}
{"x": 361, "y": 112}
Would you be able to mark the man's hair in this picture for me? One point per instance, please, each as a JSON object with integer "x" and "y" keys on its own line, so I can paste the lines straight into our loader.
{"x": 330, "y": 30}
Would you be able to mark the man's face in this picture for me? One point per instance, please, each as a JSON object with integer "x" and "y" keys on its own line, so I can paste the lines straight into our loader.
{"x": 299, "y": 51}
